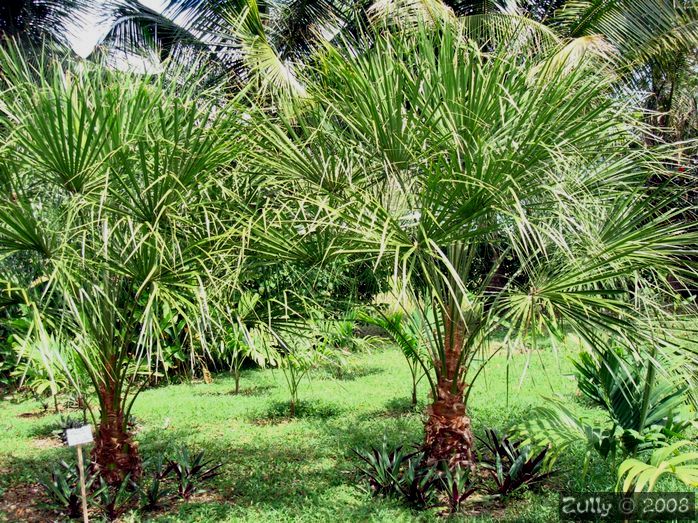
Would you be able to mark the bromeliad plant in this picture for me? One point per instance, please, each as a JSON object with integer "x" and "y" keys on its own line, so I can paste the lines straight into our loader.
{"x": 512, "y": 465}
{"x": 63, "y": 490}
{"x": 407, "y": 474}
{"x": 116, "y": 186}
{"x": 507, "y": 192}
{"x": 190, "y": 469}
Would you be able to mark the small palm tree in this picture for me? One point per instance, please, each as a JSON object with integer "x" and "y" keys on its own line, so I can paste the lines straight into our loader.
{"x": 506, "y": 192}
{"x": 116, "y": 190}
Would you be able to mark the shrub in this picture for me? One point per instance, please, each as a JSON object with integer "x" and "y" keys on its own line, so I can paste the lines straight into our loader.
{"x": 190, "y": 470}
{"x": 643, "y": 411}
{"x": 62, "y": 487}
{"x": 512, "y": 465}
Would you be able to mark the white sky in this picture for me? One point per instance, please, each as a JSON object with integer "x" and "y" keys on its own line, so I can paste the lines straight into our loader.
{"x": 84, "y": 36}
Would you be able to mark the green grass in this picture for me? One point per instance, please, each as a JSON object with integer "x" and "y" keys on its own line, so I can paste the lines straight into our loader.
{"x": 277, "y": 469}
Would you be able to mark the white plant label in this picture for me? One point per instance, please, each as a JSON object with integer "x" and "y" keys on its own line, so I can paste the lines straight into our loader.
{"x": 79, "y": 436}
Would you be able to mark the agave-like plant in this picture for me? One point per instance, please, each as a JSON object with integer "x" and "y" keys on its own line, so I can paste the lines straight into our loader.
{"x": 511, "y": 464}
{"x": 115, "y": 188}
{"x": 506, "y": 191}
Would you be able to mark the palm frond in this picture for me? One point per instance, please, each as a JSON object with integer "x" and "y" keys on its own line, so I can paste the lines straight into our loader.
{"x": 668, "y": 460}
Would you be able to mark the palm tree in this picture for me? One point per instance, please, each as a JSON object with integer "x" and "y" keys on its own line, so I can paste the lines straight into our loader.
{"x": 115, "y": 186}
{"x": 268, "y": 42}
{"x": 506, "y": 192}
{"x": 652, "y": 39}
{"x": 245, "y": 40}
{"x": 33, "y": 20}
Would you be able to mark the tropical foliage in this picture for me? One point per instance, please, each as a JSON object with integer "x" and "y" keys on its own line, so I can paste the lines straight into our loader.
{"x": 508, "y": 176}
{"x": 35, "y": 20}
{"x": 126, "y": 246}
{"x": 667, "y": 460}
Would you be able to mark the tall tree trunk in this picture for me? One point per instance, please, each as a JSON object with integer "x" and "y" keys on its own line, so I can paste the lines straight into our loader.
{"x": 115, "y": 454}
{"x": 447, "y": 433}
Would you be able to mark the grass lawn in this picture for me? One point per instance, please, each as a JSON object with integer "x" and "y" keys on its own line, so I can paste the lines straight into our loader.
{"x": 277, "y": 469}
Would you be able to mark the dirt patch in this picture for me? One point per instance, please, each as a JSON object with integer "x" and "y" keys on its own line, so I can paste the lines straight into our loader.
{"x": 263, "y": 422}
{"x": 257, "y": 390}
{"x": 47, "y": 443}
{"x": 207, "y": 497}
{"x": 22, "y": 503}
{"x": 35, "y": 414}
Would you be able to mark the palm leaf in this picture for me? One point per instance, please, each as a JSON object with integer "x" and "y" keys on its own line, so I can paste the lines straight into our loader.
{"x": 667, "y": 460}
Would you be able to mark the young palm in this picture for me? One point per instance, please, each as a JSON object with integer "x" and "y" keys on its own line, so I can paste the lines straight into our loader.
{"x": 115, "y": 189}
{"x": 507, "y": 194}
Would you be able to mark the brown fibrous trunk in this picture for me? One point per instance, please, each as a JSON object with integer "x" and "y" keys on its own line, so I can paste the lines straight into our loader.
{"x": 115, "y": 454}
{"x": 447, "y": 434}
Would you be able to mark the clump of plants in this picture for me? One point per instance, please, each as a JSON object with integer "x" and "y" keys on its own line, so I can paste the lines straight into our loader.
{"x": 65, "y": 423}
{"x": 511, "y": 465}
{"x": 189, "y": 470}
{"x": 112, "y": 501}
{"x": 155, "y": 490}
{"x": 179, "y": 475}
{"x": 406, "y": 473}
{"x": 643, "y": 409}
{"x": 306, "y": 409}
{"x": 62, "y": 488}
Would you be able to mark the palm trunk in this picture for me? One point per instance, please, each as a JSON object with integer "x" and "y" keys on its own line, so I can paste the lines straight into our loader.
{"x": 447, "y": 433}
{"x": 115, "y": 453}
